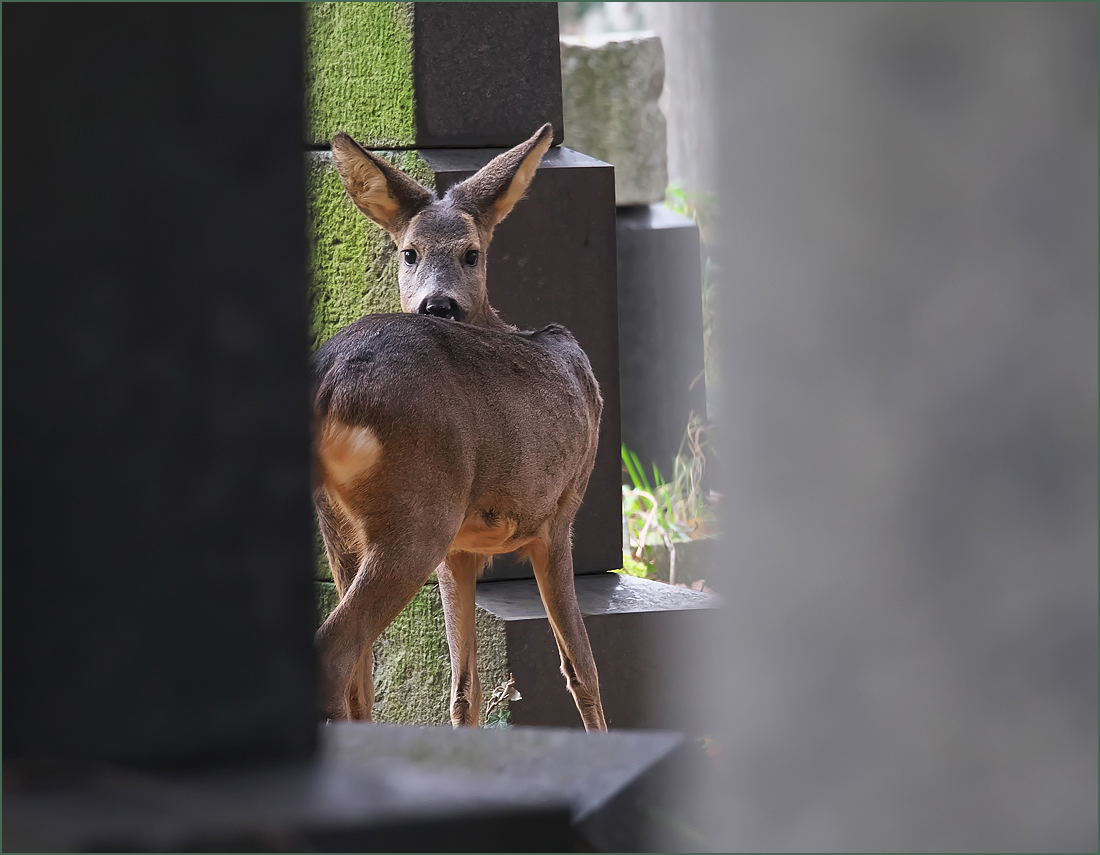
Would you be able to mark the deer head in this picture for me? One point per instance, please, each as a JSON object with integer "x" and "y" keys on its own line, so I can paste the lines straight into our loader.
{"x": 442, "y": 243}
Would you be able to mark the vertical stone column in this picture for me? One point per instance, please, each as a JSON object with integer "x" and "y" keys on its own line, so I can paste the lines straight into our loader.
{"x": 157, "y": 532}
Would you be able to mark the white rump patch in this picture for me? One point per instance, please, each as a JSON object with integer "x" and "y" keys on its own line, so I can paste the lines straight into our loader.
{"x": 349, "y": 453}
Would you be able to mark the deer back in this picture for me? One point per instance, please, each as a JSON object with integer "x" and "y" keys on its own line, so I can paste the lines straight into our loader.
{"x": 412, "y": 410}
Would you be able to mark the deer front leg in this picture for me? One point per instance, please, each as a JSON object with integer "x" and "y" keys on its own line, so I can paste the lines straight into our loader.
{"x": 457, "y": 585}
{"x": 552, "y": 560}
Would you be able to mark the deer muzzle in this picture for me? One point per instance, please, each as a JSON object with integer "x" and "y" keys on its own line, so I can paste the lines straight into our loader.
{"x": 441, "y": 307}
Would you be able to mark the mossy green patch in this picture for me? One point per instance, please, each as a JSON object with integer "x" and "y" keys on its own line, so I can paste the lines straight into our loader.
{"x": 412, "y": 669}
{"x": 359, "y": 76}
{"x": 353, "y": 261}
{"x": 324, "y": 572}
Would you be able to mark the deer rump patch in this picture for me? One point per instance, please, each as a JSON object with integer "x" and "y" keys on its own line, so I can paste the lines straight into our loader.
{"x": 348, "y": 453}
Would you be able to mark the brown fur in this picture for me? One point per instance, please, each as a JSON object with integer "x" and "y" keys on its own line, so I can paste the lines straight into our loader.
{"x": 440, "y": 443}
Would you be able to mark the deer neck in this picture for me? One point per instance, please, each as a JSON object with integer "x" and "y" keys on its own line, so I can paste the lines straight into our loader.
{"x": 486, "y": 316}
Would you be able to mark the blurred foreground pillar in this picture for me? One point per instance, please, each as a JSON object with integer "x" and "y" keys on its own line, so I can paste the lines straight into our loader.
{"x": 157, "y": 595}
{"x": 909, "y": 328}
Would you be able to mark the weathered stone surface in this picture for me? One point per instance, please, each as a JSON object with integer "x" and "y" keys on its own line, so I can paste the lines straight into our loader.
{"x": 432, "y": 74}
{"x": 610, "y": 87}
{"x": 359, "y": 72}
{"x": 412, "y": 669}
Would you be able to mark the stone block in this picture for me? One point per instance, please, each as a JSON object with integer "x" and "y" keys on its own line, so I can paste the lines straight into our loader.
{"x": 369, "y": 788}
{"x": 641, "y": 633}
{"x": 610, "y": 87}
{"x": 660, "y": 330}
{"x": 157, "y": 602}
{"x": 396, "y": 75}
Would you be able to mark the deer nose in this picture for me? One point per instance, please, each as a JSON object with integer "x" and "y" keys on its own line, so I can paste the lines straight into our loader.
{"x": 441, "y": 307}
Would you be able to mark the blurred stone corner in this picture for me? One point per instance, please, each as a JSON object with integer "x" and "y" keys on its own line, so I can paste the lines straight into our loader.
{"x": 611, "y": 86}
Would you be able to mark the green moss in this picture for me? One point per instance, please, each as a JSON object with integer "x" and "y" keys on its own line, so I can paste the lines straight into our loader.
{"x": 412, "y": 668}
{"x": 353, "y": 261}
{"x": 327, "y": 598}
{"x": 359, "y": 75}
{"x": 492, "y": 656}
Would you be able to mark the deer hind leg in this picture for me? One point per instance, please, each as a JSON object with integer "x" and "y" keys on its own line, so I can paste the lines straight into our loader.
{"x": 457, "y": 584}
{"x": 552, "y": 559}
{"x": 389, "y": 577}
{"x": 344, "y": 555}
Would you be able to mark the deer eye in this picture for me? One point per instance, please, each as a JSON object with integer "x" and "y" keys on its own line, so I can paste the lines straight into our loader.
{"x": 471, "y": 257}
{"x": 410, "y": 256}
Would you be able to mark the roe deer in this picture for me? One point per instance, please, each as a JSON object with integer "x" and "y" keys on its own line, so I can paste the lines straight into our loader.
{"x": 444, "y": 436}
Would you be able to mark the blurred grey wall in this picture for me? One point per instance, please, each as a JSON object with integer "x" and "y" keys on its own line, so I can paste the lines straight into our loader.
{"x": 909, "y": 329}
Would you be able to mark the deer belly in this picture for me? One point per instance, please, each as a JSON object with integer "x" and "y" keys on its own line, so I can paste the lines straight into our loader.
{"x": 487, "y": 533}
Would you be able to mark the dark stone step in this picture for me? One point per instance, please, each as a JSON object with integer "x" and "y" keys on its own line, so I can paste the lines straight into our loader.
{"x": 370, "y": 788}
{"x": 642, "y": 633}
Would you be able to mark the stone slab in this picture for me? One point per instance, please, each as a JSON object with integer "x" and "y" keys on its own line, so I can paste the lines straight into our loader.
{"x": 660, "y": 330}
{"x": 370, "y": 787}
{"x": 641, "y": 633}
{"x": 415, "y": 75}
{"x": 487, "y": 74}
{"x": 610, "y": 87}
{"x": 603, "y": 594}
{"x": 553, "y": 260}
{"x": 157, "y": 594}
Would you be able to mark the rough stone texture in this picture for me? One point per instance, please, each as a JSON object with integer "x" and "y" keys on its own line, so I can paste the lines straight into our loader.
{"x": 432, "y": 74}
{"x": 610, "y": 87}
{"x": 353, "y": 261}
{"x": 486, "y": 74}
{"x": 412, "y": 669}
{"x": 359, "y": 73}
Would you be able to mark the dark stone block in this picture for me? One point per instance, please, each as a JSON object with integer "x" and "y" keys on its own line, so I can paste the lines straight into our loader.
{"x": 660, "y": 331}
{"x": 370, "y": 788}
{"x": 157, "y": 602}
{"x": 642, "y": 634}
{"x": 553, "y": 260}
{"x": 485, "y": 74}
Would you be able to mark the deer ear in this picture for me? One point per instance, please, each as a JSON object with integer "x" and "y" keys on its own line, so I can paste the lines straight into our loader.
{"x": 381, "y": 191}
{"x": 494, "y": 190}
